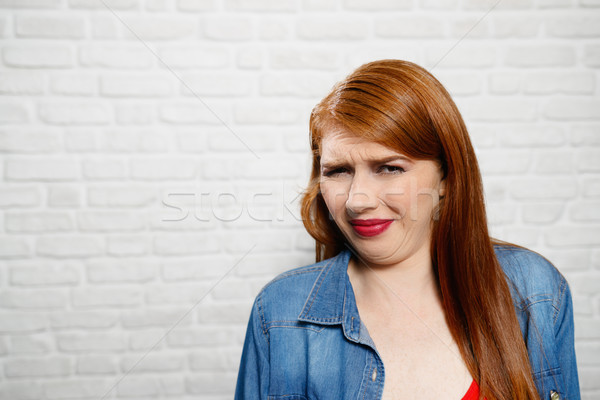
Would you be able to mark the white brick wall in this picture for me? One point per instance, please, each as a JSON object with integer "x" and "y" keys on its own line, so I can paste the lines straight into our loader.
{"x": 122, "y": 254}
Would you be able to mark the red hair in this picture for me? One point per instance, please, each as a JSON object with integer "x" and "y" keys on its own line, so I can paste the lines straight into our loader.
{"x": 402, "y": 106}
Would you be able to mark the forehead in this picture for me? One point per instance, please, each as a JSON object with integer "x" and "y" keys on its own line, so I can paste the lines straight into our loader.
{"x": 341, "y": 145}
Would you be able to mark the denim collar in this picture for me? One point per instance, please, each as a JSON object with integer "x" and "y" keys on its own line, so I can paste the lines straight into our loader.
{"x": 331, "y": 300}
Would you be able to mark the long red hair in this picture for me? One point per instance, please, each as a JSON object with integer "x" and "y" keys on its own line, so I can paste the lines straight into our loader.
{"x": 402, "y": 106}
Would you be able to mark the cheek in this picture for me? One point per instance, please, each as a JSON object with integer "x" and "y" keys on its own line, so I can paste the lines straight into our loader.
{"x": 335, "y": 195}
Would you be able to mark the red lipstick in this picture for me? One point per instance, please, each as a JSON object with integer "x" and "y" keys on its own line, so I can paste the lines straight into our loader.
{"x": 370, "y": 227}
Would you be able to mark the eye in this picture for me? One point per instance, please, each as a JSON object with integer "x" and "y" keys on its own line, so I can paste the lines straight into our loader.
{"x": 390, "y": 169}
{"x": 334, "y": 172}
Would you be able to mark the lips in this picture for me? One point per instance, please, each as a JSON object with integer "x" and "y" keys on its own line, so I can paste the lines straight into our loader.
{"x": 370, "y": 227}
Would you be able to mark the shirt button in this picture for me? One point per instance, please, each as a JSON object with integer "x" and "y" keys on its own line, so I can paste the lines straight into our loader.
{"x": 554, "y": 395}
{"x": 374, "y": 376}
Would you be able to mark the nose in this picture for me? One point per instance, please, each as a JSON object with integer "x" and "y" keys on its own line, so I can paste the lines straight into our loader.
{"x": 361, "y": 196}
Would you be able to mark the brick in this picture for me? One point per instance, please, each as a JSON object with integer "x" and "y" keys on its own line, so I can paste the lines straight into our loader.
{"x": 70, "y": 246}
{"x": 572, "y": 108}
{"x": 223, "y": 360}
{"x": 16, "y": 197}
{"x": 320, "y": 5}
{"x": 474, "y": 56}
{"x": 260, "y": 5}
{"x": 122, "y": 245}
{"x": 31, "y": 344}
{"x": 504, "y": 162}
{"x": 534, "y": 136}
{"x": 112, "y": 4}
{"x": 585, "y": 135}
{"x": 299, "y": 58}
{"x": 121, "y": 196}
{"x": 500, "y": 109}
{"x": 483, "y": 136}
{"x": 541, "y": 213}
{"x": 407, "y": 27}
{"x": 265, "y": 241}
{"x": 38, "y": 56}
{"x": 590, "y": 3}
{"x": 588, "y": 353}
{"x": 160, "y": 28}
{"x": 118, "y": 57}
{"x": 540, "y": 56}
{"x": 105, "y": 168}
{"x": 554, "y": 162}
{"x": 213, "y": 84}
{"x": 172, "y": 385}
{"x": 13, "y": 113}
{"x": 232, "y": 289}
{"x": 138, "y": 387}
{"x": 45, "y": 169}
{"x": 30, "y": 3}
{"x": 543, "y": 188}
{"x": 294, "y": 84}
{"x": 44, "y": 221}
{"x": 460, "y": 83}
{"x": 273, "y": 29}
{"x": 228, "y": 28}
{"x": 505, "y": 83}
{"x": 591, "y": 188}
{"x": 331, "y": 29}
{"x": 552, "y": 82}
{"x": 149, "y": 339}
{"x": 190, "y": 56}
{"x": 152, "y": 363}
{"x": 28, "y": 141}
{"x": 106, "y": 297}
{"x": 64, "y": 196}
{"x": 42, "y": 299}
{"x": 591, "y": 56}
{"x": 569, "y": 260}
{"x": 516, "y": 26}
{"x": 377, "y": 5}
{"x": 18, "y": 322}
{"x": 81, "y": 140}
{"x": 11, "y": 247}
{"x": 87, "y": 320}
{"x": 185, "y": 244}
{"x": 470, "y": 27}
{"x": 74, "y": 84}
{"x": 156, "y": 5}
{"x": 585, "y": 283}
{"x": 207, "y": 383}
{"x": 250, "y": 58}
{"x": 202, "y": 336}
{"x": 104, "y": 26}
{"x": 575, "y": 26}
{"x": 69, "y": 113}
{"x": 96, "y": 365}
{"x": 5, "y": 28}
{"x": 26, "y": 390}
{"x": 76, "y": 389}
{"x": 269, "y": 113}
{"x": 490, "y": 5}
{"x": 156, "y": 318}
{"x": 585, "y": 211}
{"x": 177, "y": 294}
{"x": 193, "y": 113}
{"x": 572, "y": 236}
{"x": 143, "y": 140}
{"x": 438, "y": 4}
{"x": 37, "y": 367}
{"x": 46, "y": 275}
{"x": 196, "y": 5}
{"x": 105, "y": 271}
{"x": 135, "y": 86}
{"x": 50, "y": 26}
{"x": 586, "y": 328}
{"x": 135, "y": 114}
{"x": 21, "y": 82}
{"x": 203, "y": 268}
{"x": 163, "y": 169}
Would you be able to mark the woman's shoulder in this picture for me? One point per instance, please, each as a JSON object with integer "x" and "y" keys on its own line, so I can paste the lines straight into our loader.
{"x": 531, "y": 274}
{"x": 284, "y": 297}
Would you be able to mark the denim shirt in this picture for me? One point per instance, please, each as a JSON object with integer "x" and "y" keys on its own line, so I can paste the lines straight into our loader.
{"x": 305, "y": 339}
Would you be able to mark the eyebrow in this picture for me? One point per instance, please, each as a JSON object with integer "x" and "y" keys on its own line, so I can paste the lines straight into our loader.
{"x": 384, "y": 160}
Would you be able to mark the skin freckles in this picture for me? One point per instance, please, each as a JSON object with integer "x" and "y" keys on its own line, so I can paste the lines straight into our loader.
{"x": 364, "y": 180}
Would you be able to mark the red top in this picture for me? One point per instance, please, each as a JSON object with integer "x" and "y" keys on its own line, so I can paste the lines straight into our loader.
{"x": 473, "y": 392}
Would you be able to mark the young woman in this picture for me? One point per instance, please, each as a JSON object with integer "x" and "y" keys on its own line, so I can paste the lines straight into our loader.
{"x": 410, "y": 298}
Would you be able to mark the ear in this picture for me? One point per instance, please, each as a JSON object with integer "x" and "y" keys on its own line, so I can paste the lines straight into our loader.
{"x": 442, "y": 188}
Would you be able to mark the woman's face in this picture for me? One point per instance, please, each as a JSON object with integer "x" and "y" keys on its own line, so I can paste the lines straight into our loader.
{"x": 381, "y": 200}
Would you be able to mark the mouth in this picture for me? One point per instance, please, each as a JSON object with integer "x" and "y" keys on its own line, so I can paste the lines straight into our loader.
{"x": 370, "y": 227}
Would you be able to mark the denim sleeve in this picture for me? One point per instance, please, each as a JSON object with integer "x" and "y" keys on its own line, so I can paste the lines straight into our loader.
{"x": 252, "y": 382}
{"x": 565, "y": 340}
